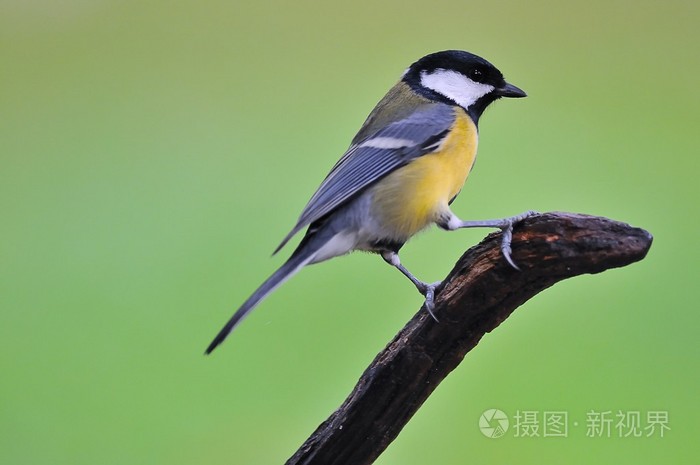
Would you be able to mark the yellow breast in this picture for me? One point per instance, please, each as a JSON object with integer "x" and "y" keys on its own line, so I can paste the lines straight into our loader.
{"x": 414, "y": 196}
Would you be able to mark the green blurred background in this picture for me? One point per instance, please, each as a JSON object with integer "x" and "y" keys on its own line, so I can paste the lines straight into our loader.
{"x": 153, "y": 154}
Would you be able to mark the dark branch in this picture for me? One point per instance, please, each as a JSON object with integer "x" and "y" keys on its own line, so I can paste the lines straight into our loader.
{"x": 481, "y": 291}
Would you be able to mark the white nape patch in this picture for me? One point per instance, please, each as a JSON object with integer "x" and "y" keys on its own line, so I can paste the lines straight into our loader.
{"x": 455, "y": 86}
{"x": 387, "y": 143}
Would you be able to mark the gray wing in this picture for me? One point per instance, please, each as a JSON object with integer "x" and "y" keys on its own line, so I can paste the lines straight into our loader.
{"x": 374, "y": 157}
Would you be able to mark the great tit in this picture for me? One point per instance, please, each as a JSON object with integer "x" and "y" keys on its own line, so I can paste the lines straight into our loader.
{"x": 402, "y": 170}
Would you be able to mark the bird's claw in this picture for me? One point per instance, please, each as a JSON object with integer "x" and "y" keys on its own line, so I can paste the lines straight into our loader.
{"x": 505, "y": 244}
{"x": 428, "y": 290}
{"x": 507, "y": 237}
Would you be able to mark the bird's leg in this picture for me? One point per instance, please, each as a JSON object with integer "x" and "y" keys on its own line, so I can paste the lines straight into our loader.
{"x": 428, "y": 290}
{"x": 504, "y": 224}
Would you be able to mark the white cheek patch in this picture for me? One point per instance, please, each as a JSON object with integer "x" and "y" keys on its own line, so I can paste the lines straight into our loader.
{"x": 455, "y": 86}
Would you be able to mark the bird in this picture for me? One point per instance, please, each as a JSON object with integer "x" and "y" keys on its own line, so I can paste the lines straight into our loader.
{"x": 400, "y": 174}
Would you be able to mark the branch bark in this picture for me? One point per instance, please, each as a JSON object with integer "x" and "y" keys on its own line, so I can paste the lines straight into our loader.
{"x": 479, "y": 293}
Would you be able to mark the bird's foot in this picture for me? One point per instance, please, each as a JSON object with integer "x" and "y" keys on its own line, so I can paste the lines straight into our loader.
{"x": 506, "y": 227}
{"x": 428, "y": 290}
{"x": 504, "y": 224}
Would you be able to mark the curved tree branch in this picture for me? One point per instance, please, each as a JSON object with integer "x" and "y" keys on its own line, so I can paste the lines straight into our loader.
{"x": 479, "y": 293}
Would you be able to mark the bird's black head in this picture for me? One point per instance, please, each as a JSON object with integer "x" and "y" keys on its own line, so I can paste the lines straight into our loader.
{"x": 461, "y": 78}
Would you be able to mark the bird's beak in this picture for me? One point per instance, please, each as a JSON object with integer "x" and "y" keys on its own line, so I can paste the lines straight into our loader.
{"x": 509, "y": 90}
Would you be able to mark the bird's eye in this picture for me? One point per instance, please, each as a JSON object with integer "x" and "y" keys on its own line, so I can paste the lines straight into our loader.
{"x": 475, "y": 74}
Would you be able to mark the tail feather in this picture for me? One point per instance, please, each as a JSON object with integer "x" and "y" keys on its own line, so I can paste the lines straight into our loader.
{"x": 286, "y": 271}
